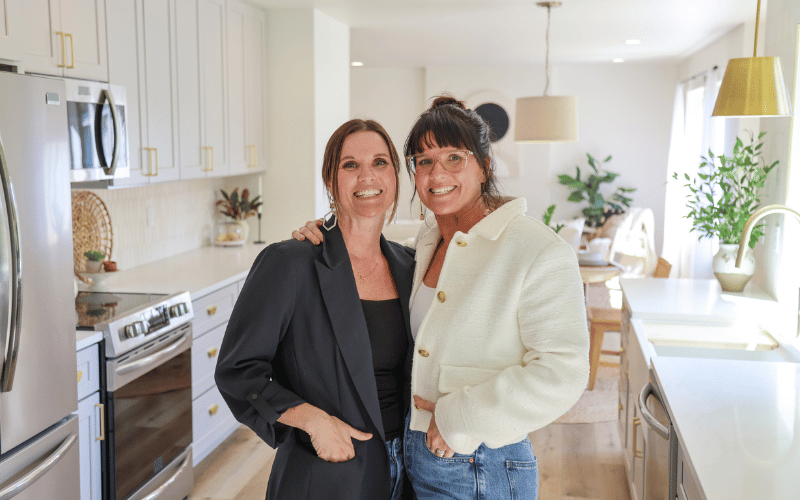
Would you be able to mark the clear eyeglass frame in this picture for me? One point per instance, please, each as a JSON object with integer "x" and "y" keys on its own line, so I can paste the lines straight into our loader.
{"x": 445, "y": 160}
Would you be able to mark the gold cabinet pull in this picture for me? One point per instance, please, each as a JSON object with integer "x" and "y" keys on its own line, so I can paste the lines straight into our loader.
{"x": 621, "y": 350}
{"x": 252, "y": 149}
{"x": 150, "y": 162}
{"x": 209, "y": 158}
{"x": 212, "y": 310}
{"x": 638, "y": 454}
{"x": 155, "y": 150}
{"x": 636, "y": 423}
{"x": 71, "y": 49}
{"x": 213, "y": 410}
{"x": 80, "y": 375}
{"x": 63, "y": 51}
{"x": 212, "y": 352}
{"x": 102, "y": 436}
{"x": 620, "y": 407}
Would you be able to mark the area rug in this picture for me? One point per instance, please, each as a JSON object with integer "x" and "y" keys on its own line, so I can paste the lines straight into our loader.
{"x": 598, "y": 405}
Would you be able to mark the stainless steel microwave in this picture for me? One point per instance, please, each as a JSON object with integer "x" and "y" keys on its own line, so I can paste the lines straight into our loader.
{"x": 98, "y": 132}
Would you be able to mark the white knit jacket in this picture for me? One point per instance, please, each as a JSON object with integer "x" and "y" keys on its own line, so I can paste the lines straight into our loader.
{"x": 503, "y": 349}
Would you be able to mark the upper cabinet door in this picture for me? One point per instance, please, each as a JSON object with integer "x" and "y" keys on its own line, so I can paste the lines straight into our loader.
{"x": 246, "y": 76}
{"x": 190, "y": 107}
{"x": 157, "y": 93}
{"x": 211, "y": 27}
{"x": 65, "y": 38}
{"x": 12, "y": 30}
{"x": 84, "y": 23}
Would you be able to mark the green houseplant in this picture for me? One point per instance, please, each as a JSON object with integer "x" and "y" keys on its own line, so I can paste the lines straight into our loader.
{"x": 722, "y": 196}
{"x": 94, "y": 261}
{"x": 547, "y": 216}
{"x": 233, "y": 230}
{"x": 589, "y": 190}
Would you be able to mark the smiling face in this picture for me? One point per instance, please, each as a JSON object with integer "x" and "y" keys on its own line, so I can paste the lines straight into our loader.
{"x": 448, "y": 193}
{"x": 365, "y": 177}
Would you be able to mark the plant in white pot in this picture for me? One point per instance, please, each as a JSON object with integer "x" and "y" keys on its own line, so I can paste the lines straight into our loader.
{"x": 233, "y": 230}
{"x": 723, "y": 195}
{"x": 94, "y": 261}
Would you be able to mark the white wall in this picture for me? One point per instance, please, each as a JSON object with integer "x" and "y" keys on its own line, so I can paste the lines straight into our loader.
{"x": 331, "y": 91}
{"x": 394, "y": 97}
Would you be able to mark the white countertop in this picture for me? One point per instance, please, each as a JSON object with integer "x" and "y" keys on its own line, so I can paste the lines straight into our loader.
{"x": 739, "y": 422}
{"x": 199, "y": 272}
{"x": 692, "y": 301}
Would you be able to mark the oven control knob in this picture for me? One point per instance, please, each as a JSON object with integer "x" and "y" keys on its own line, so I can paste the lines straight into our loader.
{"x": 178, "y": 310}
{"x": 135, "y": 328}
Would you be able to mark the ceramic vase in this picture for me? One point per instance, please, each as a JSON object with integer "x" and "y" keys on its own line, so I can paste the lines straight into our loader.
{"x": 93, "y": 266}
{"x": 730, "y": 277}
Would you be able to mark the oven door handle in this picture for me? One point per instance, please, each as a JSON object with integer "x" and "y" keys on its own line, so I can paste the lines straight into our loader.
{"x": 28, "y": 479}
{"x": 157, "y": 493}
{"x": 651, "y": 421}
{"x": 155, "y": 358}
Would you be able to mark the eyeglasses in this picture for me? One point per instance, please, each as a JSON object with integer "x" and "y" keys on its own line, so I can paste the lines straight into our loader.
{"x": 451, "y": 161}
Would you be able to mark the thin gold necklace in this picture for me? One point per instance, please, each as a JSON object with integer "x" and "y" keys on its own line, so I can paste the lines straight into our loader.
{"x": 362, "y": 277}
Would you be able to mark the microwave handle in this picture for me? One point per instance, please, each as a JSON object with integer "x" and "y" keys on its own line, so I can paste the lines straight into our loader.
{"x": 9, "y": 360}
{"x": 115, "y": 118}
{"x": 650, "y": 420}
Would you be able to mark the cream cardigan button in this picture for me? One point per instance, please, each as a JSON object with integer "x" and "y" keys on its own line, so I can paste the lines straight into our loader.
{"x": 423, "y": 353}
{"x": 461, "y": 243}
{"x": 441, "y": 296}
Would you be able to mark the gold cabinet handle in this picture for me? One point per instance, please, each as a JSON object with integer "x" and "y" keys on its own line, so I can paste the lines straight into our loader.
{"x": 252, "y": 149}
{"x": 71, "y": 49}
{"x": 80, "y": 375}
{"x": 209, "y": 158}
{"x": 620, "y": 407}
{"x": 150, "y": 162}
{"x": 636, "y": 453}
{"x": 212, "y": 352}
{"x": 155, "y": 150}
{"x": 102, "y": 435}
{"x": 212, "y": 310}
{"x": 63, "y": 51}
{"x": 621, "y": 350}
{"x": 213, "y": 410}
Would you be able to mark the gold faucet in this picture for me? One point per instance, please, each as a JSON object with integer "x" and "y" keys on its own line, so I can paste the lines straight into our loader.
{"x": 758, "y": 215}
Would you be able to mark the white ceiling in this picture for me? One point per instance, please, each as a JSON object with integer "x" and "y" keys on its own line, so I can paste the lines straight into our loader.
{"x": 418, "y": 33}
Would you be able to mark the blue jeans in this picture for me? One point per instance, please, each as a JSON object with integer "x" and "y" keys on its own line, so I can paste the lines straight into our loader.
{"x": 396, "y": 468}
{"x": 503, "y": 473}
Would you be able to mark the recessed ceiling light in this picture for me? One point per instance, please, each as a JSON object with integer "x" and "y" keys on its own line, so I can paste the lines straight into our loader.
{"x": 633, "y": 41}
{"x": 356, "y": 63}
{"x": 617, "y": 60}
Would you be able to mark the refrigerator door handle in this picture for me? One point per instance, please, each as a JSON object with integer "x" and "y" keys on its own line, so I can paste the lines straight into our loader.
{"x": 648, "y": 417}
{"x": 117, "y": 142}
{"x": 12, "y": 330}
{"x": 28, "y": 479}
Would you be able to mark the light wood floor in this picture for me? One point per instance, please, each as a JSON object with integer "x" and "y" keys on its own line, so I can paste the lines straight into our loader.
{"x": 576, "y": 462}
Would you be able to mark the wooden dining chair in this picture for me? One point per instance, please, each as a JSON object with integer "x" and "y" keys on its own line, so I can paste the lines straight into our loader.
{"x": 602, "y": 319}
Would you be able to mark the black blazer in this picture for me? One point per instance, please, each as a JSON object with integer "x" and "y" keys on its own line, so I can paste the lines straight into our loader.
{"x": 297, "y": 334}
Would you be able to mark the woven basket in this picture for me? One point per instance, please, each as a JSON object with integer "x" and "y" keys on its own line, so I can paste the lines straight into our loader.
{"x": 91, "y": 229}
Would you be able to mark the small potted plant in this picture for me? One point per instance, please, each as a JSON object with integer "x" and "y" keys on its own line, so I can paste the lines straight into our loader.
{"x": 723, "y": 195}
{"x": 589, "y": 190}
{"x": 232, "y": 229}
{"x": 94, "y": 261}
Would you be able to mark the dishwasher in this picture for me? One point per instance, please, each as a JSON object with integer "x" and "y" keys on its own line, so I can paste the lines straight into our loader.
{"x": 661, "y": 454}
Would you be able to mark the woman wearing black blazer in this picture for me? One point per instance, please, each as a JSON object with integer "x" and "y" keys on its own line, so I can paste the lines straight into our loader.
{"x": 316, "y": 358}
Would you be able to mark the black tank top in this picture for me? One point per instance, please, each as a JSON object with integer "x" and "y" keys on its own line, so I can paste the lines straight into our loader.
{"x": 387, "y": 335}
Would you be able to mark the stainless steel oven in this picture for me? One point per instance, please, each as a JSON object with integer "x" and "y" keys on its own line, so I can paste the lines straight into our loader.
{"x": 98, "y": 132}
{"x": 147, "y": 392}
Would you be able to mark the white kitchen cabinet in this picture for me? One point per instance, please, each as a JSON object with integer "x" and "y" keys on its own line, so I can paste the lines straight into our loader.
{"x": 202, "y": 88}
{"x": 91, "y": 422}
{"x": 141, "y": 58}
{"x": 212, "y": 422}
{"x": 246, "y": 53}
{"x": 11, "y": 31}
{"x": 65, "y": 38}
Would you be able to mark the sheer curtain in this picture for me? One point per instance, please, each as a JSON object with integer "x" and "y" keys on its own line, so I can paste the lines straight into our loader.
{"x": 694, "y": 132}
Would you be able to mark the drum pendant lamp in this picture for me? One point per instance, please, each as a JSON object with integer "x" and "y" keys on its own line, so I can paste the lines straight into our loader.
{"x": 753, "y": 86}
{"x": 546, "y": 118}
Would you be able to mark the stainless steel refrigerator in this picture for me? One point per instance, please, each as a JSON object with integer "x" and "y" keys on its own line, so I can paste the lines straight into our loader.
{"x": 38, "y": 435}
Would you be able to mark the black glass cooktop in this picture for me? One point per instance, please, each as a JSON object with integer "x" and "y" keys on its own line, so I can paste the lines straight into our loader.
{"x": 102, "y": 307}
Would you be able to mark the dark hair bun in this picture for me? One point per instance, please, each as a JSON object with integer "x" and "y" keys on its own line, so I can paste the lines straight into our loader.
{"x": 446, "y": 99}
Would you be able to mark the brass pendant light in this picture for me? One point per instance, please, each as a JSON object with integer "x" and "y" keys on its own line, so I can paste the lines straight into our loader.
{"x": 546, "y": 118}
{"x": 753, "y": 86}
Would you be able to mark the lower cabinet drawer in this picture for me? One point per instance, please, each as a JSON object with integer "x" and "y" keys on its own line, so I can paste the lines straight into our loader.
{"x": 88, "y": 371}
{"x": 205, "y": 350}
{"x": 212, "y": 422}
{"x": 213, "y": 309}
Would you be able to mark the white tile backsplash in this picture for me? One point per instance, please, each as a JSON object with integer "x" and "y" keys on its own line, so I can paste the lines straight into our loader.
{"x": 184, "y": 218}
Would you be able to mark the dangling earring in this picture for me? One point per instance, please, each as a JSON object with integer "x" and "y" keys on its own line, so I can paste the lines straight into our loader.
{"x": 421, "y": 211}
{"x": 332, "y": 212}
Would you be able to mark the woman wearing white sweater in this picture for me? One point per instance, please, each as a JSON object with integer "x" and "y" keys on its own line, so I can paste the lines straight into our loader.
{"x": 498, "y": 317}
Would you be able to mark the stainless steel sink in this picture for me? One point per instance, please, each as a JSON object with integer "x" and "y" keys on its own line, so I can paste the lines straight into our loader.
{"x": 777, "y": 354}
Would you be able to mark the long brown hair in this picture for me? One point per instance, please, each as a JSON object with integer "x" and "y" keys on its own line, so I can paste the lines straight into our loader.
{"x": 333, "y": 153}
{"x": 448, "y": 122}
